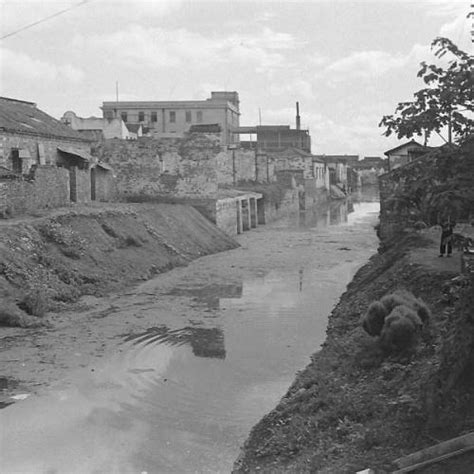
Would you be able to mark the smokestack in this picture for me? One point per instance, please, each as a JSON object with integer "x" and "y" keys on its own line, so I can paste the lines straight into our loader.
{"x": 298, "y": 119}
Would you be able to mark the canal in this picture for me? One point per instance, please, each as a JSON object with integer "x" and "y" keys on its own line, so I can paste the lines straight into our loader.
{"x": 170, "y": 376}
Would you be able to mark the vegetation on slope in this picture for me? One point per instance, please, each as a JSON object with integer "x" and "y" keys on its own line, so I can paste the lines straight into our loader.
{"x": 354, "y": 406}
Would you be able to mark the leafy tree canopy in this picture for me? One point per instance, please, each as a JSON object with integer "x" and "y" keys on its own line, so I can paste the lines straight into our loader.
{"x": 446, "y": 102}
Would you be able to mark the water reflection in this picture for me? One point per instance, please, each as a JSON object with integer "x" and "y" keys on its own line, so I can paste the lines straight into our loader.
{"x": 205, "y": 342}
{"x": 209, "y": 295}
{"x": 334, "y": 213}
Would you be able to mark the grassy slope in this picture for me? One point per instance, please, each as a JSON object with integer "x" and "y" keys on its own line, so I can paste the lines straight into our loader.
{"x": 353, "y": 407}
{"x": 94, "y": 250}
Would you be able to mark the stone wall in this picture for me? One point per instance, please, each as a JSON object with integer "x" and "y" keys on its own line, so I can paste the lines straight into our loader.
{"x": 166, "y": 167}
{"x": 103, "y": 183}
{"x": 235, "y": 166}
{"x": 275, "y": 209}
{"x": 80, "y": 185}
{"x": 48, "y": 188}
{"x": 292, "y": 160}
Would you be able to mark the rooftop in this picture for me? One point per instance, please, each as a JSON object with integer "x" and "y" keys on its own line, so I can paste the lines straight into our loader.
{"x": 19, "y": 116}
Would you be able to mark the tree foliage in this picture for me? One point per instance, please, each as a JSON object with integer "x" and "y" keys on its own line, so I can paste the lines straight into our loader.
{"x": 446, "y": 102}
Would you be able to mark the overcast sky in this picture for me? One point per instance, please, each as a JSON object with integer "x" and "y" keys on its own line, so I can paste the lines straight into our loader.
{"x": 346, "y": 62}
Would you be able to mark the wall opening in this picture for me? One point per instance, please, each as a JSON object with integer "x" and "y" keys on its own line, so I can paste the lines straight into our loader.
{"x": 245, "y": 214}
{"x": 93, "y": 184}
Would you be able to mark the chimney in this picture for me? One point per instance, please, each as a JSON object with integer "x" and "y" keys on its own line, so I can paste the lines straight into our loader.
{"x": 298, "y": 119}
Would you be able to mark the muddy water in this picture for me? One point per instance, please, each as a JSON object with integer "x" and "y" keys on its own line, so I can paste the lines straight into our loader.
{"x": 192, "y": 359}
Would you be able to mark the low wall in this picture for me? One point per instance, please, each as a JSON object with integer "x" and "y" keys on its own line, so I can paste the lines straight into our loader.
{"x": 226, "y": 215}
{"x": 48, "y": 188}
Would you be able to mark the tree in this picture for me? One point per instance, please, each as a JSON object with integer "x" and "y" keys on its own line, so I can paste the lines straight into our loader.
{"x": 446, "y": 103}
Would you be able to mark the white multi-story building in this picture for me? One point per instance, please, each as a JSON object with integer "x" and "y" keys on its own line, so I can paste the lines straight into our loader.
{"x": 174, "y": 118}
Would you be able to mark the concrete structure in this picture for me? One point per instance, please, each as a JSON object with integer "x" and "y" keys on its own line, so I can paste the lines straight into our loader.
{"x": 405, "y": 153}
{"x": 168, "y": 119}
{"x": 238, "y": 211}
{"x": 97, "y": 128}
{"x": 276, "y": 138}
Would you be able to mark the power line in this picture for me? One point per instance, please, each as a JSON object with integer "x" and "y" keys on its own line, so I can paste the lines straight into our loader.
{"x": 42, "y": 20}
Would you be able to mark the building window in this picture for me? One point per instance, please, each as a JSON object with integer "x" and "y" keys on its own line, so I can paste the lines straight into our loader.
{"x": 188, "y": 116}
{"x": 154, "y": 117}
{"x": 124, "y": 116}
{"x": 141, "y": 116}
{"x": 199, "y": 116}
{"x": 172, "y": 116}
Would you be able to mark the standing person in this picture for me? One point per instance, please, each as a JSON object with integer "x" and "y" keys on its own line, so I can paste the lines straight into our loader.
{"x": 446, "y": 238}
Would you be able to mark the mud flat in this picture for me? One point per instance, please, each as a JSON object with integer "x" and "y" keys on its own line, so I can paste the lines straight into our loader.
{"x": 354, "y": 407}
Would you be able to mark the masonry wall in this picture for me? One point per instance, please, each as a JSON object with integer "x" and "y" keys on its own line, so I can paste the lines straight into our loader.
{"x": 80, "y": 185}
{"x": 289, "y": 159}
{"x": 163, "y": 168}
{"x": 49, "y": 188}
{"x": 105, "y": 186}
{"x": 234, "y": 166}
{"x": 226, "y": 215}
{"x": 289, "y": 203}
{"x": 43, "y": 151}
{"x": 313, "y": 193}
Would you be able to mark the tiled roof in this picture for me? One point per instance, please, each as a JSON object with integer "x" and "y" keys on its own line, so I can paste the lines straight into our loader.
{"x": 18, "y": 116}
{"x": 410, "y": 143}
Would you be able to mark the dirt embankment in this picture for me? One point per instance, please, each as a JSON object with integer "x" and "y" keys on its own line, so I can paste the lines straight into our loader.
{"x": 46, "y": 263}
{"x": 354, "y": 406}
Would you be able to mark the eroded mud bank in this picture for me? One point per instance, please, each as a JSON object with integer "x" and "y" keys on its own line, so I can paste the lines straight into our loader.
{"x": 353, "y": 406}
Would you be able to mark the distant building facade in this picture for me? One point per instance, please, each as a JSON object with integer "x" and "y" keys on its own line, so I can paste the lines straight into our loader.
{"x": 405, "y": 153}
{"x": 97, "y": 128}
{"x": 166, "y": 119}
{"x": 338, "y": 166}
{"x": 370, "y": 168}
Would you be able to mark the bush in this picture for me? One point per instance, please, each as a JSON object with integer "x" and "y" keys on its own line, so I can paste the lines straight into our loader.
{"x": 35, "y": 303}
{"x": 11, "y": 315}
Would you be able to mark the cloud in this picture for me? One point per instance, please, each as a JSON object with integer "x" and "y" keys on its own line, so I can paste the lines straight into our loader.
{"x": 367, "y": 63}
{"x": 373, "y": 63}
{"x": 458, "y": 31}
{"x": 157, "y": 47}
{"x": 18, "y": 14}
{"x": 21, "y": 66}
{"x": 293, "y": 89}
{"x": 442, "y": 8}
